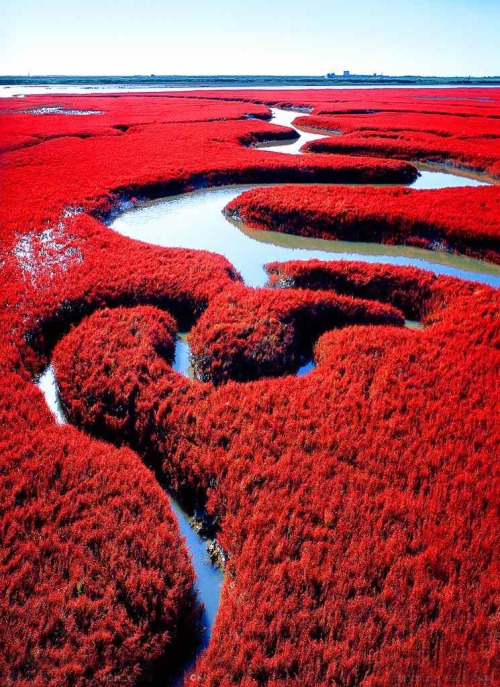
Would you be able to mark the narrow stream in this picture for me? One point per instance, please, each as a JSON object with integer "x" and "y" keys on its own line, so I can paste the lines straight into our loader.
{"x": 182, "y": 360}
{"x": 431, "y": 175}
{"x": 285, "y": 118}
{"x": 209, "y": 577}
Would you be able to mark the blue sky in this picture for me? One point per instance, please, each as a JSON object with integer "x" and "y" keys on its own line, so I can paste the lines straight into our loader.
{"x": 442, "y": 37}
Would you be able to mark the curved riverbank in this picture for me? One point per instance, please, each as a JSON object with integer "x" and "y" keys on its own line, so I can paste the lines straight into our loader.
{"x": 194, "y": 220}
{"x": 209, "y": 576}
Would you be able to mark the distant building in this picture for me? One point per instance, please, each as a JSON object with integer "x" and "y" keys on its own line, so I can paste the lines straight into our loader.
{"x": 346, "y": 74}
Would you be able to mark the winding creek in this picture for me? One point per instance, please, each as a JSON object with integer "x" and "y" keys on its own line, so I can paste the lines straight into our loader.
{"x": 195, "y": 220}
{"x": 209, "y": 577}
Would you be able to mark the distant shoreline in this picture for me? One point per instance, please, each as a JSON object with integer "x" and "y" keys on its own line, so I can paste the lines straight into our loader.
{"x": 245, "y": 81}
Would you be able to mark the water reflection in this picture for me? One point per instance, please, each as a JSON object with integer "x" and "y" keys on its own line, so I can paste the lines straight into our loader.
{"x": 195, "y": 220}
{"x": 209, "y": 577}
{"x": 305, "y": 368}
{"x": 182, "y": 356}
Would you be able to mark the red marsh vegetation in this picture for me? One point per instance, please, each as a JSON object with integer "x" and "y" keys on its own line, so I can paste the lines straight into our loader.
{"x": 464, "y": 220}
{"x": 356, "y": 504}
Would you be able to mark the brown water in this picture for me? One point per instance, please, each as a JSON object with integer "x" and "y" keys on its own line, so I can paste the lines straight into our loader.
{"x": 195, "y": 220}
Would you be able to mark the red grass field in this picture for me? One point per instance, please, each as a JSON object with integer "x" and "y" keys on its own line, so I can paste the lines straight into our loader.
{"x": 442, "y": 219}
{"x": 356, "y": 505}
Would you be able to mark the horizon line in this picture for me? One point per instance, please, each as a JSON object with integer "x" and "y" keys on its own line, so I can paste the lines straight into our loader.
{"x": 330, "y": 75}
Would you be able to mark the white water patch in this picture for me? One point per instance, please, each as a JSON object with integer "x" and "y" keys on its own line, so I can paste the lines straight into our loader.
{"x": 41, "y": 255}
{"x": 285, "y": 118}
{"x": 20, "y": 91}
{"x": 55, "y": 109}
{"x": 195, "y": 220}
{"x": 430, "y": 179}
{"x": 47, "y": 383}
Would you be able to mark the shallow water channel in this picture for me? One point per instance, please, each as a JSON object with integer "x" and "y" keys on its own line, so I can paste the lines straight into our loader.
{"x": 440, "y": 176}
{"x": 209, "y": 577}
{"x": 195, "y": 220}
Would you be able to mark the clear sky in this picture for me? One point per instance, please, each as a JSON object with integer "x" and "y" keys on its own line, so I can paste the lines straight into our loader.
{"x": 310, "y": 37}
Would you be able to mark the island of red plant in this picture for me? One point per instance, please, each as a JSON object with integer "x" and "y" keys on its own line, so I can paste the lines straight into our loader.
{"x": 464, "y": 221}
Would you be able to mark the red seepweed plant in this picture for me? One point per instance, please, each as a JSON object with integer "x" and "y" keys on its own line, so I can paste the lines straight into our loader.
{"x": 355, "y": 504}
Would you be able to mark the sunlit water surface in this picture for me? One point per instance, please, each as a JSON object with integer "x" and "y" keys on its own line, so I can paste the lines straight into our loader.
{"x": 195, "y": 220}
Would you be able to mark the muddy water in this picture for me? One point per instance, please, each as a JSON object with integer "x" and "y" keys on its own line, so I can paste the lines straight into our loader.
{"x": 195, "y": 220}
